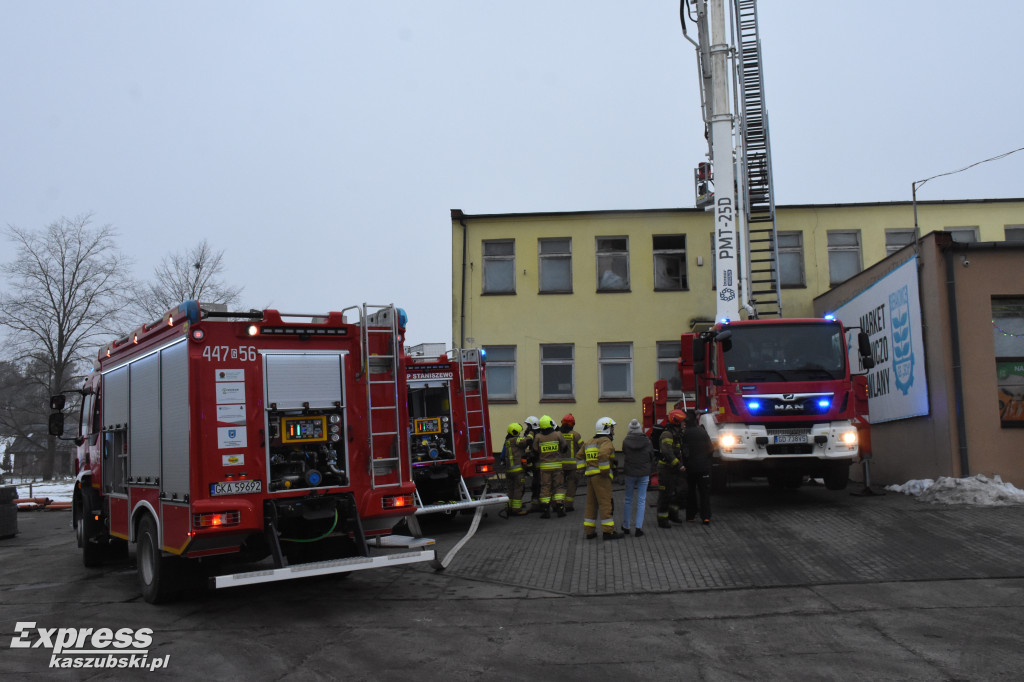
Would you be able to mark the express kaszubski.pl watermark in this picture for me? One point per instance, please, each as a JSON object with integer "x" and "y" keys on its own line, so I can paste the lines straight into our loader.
{"x": 91, "y": 647}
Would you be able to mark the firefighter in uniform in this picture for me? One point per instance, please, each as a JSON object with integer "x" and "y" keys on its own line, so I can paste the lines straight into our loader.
{"x": 670, "y": 470}
{"x": 532, "y": 425}
{"x": 514, "y": 454}
{"x": 549, "y": 447}
{"x": 598, "y": 456}
{"x": 572, "y": 463}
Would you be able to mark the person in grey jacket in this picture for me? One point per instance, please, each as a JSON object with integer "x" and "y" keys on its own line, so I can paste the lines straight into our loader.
{"x": 638, "y": 463}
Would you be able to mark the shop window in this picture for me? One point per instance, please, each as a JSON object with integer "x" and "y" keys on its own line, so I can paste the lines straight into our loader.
{"x": 1008, "y": 338}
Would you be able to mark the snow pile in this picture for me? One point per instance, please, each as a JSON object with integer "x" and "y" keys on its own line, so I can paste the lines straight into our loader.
{"x": 978, "y": 490}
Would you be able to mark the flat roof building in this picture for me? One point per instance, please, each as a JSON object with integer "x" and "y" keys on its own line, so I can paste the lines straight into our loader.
{"x": 580, "y": 312}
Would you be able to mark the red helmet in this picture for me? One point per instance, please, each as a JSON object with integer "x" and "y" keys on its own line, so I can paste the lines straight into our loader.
{"x": 676, "y": 417}
{"x": 568, "y": 420}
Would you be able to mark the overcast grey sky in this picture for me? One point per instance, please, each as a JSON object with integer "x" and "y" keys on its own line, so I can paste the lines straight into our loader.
{"x": 321, "y": 144}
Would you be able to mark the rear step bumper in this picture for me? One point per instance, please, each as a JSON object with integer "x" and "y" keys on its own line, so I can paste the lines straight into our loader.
{"x": 322, "y": 568}
{"x": 485, "y": 501}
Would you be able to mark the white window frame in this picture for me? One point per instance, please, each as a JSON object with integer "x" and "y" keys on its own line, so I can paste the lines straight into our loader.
{"x": 842, "y": 249}
{"x": 898, "y": 241}
{"x": 798, "y": 249}
{"x": 499, "y": 365}
{"x": 956, "y": 230}
{"x": 549, "y": 258}
{"x": 1017, "y": 232}
{"x": 615, "y": 256}
{"x": 607, "y": 360}
{"x": 556, "y": 362}
{"x": 494, "y": 260}
{"x": 668, "y": 367}
{"x": 673, "y": 253}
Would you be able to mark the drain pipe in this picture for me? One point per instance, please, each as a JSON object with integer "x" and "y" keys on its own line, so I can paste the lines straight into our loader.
{"x": 456, "y": 213}
{"x": 958, "y": 382}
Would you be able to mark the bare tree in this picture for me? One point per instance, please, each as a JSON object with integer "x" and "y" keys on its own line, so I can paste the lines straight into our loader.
{"x": 191, "y": 275}
{"x": 67, "y": 290}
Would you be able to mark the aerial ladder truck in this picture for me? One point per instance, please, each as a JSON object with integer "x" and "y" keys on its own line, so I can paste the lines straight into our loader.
{"x": 776, "y": 395}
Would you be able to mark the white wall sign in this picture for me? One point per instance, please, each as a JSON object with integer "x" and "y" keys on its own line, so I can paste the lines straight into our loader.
{"x": 890, "y": 312}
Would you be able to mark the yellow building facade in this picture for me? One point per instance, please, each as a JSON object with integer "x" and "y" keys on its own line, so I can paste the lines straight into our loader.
{"x": 581, "y": 312}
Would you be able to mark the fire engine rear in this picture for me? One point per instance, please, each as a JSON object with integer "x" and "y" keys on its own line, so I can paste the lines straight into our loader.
{"x": 211, "y": 437}
{"x": 450, "y": 432}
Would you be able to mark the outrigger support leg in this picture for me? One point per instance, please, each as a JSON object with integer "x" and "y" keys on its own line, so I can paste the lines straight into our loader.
{"x": 272, "y": 540}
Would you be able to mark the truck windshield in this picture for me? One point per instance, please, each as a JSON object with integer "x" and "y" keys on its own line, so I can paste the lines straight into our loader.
{"x": 785, "y": 352}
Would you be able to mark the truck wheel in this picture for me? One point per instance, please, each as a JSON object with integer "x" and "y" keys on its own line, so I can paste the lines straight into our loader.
{"x": 89, "y": 531}
{"x": 156, "y": 572}
{"x": 837, "y": 475}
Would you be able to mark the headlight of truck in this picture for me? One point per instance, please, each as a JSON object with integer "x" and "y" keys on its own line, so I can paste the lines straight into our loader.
{"x": 849, "y": 438}
{"x": 727, "y": 441}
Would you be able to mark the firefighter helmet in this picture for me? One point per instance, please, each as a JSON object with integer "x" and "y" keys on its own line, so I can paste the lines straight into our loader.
{"x": 515, "y": 428}
{"x": 604, "y": 426}
{"x": 547, "y": 422}
{"x": 568, "y": 420}
{"x": 532, "y": 423}
{"x": 676, "y": 417}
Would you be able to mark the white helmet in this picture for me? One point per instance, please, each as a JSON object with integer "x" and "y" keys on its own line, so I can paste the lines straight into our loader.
{"x": 533, "y": 423}
{"x": 604, "y": 426}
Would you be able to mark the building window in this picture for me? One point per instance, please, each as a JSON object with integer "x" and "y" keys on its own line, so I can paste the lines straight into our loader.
{"x": 499, "y": 266}
{"x": 898, "y": 238}
{"x": 790, "y": 248}
{"x": 1008, "y": 335}
{"x": 670, "y": 262}
{"x": 843, "y": 255}
{"x": 1014, "y": 233}
{"x": 555, "y": 256}
{"x": 557, "y": 372}
{"x": 613, "y": 264}
{"x": 964, "y": 235}
{"x": 501, "y": 372}
{"x": 615, "y": 367}
{"x": 668, "y": 367}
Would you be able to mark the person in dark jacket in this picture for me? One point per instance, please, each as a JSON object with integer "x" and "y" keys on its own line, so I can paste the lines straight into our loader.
{"x": 698, "y": 449}
{"x": 637, "y": 465}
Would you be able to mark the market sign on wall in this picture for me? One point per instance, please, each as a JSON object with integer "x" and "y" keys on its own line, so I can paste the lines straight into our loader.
{"x": 890, "y": 312}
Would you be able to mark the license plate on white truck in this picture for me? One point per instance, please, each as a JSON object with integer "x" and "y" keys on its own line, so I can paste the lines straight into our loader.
{"x": 790, "y": 438}
{"x": 236, "y": 487}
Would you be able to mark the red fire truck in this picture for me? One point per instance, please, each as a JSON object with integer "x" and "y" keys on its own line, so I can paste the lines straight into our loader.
{"x": 777, "y": 398}
{"x": 450, "y": 432}
{"x": 210, "y": 437}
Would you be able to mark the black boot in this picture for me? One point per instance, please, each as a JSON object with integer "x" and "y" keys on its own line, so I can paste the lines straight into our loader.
{"x": 546, "y": 514}
{"x": 663, "y": 523}
{"x": 561, "y": 510}
{"x": 673, "y": 516}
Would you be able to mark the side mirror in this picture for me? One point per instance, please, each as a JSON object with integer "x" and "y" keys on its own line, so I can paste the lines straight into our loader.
{"x": 864, "y": 344}
{"x": 864, "y": 348}
{"x": 723, "y": 335}
{"x": 56, "y": 423}
{"x": 698, "y": 352}
{"x": 57, "y": 401}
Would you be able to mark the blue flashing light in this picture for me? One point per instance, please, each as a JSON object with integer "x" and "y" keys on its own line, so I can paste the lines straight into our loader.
{"x": 483, "y": 353}
{"x": 830, "y": 317}
{"x": 753, "y": 405}
{"x": 725, "y": 320}
{"x": 824, "y": 403}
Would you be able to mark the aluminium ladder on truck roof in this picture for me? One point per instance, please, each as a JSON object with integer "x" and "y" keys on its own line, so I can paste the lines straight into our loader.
{"x": 471, "y": 368}
{"x": 381, "y": 371}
